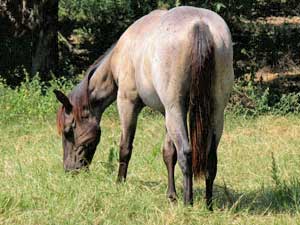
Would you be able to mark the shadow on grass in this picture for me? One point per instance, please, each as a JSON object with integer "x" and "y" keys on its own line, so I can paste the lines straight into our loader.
{"x": 279, "y": 198}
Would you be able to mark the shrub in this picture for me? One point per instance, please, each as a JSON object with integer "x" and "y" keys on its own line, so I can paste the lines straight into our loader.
{"x": 31, "y": 99}
{"x": 253, "y": 99}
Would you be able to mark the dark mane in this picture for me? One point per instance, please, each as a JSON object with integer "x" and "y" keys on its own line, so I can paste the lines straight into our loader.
{"x": 79, "y": 97}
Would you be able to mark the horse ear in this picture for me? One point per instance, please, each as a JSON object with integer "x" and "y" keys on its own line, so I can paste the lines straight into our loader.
{"x": 64, "y": 100}
{"x": 91, "y": 73}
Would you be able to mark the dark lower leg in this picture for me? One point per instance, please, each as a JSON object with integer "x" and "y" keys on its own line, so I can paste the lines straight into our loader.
{"x": 125, "y": 155}
{"x": 177, "y": 130}
{"x": 122, "y": 171}
{"x": 170, "y": 158}
{"x": 188, "y": 181}
{"x": 212, "y": 171}
{"x": 209, "y": 189}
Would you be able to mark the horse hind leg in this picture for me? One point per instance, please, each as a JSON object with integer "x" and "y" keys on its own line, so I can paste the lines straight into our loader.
{"x": 211, "y": 172}
{"x": 177, "y": 130}
{"x": 220, "y": 99}
{"x": 170, "y": 159}
{"x": 212, "y": 159}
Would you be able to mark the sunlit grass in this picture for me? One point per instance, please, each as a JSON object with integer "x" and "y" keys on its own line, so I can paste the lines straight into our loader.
{"x": 35, "y": 190}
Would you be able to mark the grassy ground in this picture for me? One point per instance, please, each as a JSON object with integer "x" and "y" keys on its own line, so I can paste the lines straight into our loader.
{"x": 252, "y": 187}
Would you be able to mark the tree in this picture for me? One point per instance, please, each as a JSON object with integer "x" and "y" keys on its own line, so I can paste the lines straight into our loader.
{"x": 45, "y": 55}
{"x": 34, "y": 24}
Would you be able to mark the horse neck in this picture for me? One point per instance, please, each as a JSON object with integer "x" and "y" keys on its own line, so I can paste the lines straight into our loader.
{"x": 102, "y": 87}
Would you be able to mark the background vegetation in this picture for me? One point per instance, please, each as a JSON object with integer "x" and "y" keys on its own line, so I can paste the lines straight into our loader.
{"x": 257, "y": 182}
{"x": 61, "y": 38}
{"x": 86, "y": 28}
{"x": 258, "y": 173}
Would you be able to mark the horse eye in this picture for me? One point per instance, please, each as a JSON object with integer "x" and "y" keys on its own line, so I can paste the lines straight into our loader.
{"x": 85, "y": 115}
{"x": 69, "y": 133}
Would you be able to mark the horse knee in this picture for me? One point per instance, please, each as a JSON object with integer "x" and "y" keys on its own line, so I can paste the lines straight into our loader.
{"x": 169, "y": 153}
{"x": 185, "y": 160}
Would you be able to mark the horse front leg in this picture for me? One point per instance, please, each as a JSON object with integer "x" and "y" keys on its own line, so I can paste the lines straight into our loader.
{"x": 128, "y": 112}
{"x": 177, "y": 129}
{"x": 170, "y": 159}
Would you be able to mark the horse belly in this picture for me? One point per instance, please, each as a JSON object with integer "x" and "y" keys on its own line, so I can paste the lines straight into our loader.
{"x": 149, "y": 95}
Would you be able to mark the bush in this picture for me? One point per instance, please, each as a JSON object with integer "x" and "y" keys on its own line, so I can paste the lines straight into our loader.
{"x": 31, "y": 99}
{"x": 35, "y": 99}
{"x": 253, "y": 99}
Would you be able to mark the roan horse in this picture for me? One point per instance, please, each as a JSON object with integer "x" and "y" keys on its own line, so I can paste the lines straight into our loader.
{"x": 175, "y": 61}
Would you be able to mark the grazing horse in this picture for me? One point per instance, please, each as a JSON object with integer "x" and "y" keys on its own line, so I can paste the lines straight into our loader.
{"x": 177, "y": 62}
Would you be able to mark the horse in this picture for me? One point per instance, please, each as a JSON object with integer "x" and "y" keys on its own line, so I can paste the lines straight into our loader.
{"x": 178, "y": 62}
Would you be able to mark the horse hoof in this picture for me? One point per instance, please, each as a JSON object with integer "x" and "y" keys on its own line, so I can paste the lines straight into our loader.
{"x": 172, "y": 197}
{"x": 210, "y": 208}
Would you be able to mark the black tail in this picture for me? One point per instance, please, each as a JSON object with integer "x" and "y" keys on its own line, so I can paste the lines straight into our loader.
{"x": 201, "y": 104}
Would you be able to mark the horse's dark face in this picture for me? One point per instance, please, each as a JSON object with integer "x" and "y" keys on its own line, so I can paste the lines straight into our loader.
{"x": 80, "y": 135}
{"x": 80, "y": 139}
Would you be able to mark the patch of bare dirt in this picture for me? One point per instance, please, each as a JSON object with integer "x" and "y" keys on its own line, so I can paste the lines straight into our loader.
{"x": 267, "y": 74}
{"x": 275, "y": 21}
{"x": 285, "y": 81}
{"x": 279, "y": 21}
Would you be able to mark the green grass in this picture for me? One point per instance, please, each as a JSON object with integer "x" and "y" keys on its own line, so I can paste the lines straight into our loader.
{"x": 257, "y": 183}
{"x": 251, "y": 187}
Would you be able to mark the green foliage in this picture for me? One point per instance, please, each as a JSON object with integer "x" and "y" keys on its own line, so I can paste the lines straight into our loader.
{"x": 286, "y": 192}
{"x": 251, "y": 99}
{"x": 31, "y": 99}
{"x": 35, "y": 99}
{"x": 288, "y": 103}
{"x": 91, "y": 26}
{"x": 255, "y": 44}
{"x": 92, "y": 10}
{"x": 275, "y": 172}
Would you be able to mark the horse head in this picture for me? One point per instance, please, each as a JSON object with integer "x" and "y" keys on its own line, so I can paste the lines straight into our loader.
{"x": 80, "y": 132}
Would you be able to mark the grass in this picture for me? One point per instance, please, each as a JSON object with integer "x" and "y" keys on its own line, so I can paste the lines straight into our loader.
{"x": 257, "y": 181}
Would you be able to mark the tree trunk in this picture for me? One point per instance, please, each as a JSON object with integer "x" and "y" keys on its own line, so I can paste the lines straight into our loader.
{"x": 45, "y": 47}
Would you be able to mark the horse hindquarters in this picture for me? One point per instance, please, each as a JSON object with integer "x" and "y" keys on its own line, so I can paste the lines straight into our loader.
{"x": 174, "y": 80}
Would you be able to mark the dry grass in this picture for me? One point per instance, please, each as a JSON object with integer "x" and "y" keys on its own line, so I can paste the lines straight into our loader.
{"x": 35, "y": 190}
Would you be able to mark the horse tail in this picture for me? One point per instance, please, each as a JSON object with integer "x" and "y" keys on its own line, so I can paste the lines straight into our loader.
{"x": 201, "y": 105}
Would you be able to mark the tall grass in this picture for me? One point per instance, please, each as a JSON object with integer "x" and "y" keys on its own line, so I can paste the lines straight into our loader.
{"x": 257, "y": 182}
{"x": 31, "y": 99}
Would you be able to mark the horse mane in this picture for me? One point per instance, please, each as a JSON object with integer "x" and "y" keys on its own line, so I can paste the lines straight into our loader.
{"x": 79, "y": 97}
{"x": 60, "y": 119}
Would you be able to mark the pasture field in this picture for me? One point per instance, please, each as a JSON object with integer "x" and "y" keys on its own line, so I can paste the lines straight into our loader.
{"x": 257, "y": 182}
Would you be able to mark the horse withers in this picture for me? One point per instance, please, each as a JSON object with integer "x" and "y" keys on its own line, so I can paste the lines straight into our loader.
{"x": 177, "y": 62}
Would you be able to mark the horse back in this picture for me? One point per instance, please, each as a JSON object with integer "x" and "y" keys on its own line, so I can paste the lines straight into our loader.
{"x": 130, "y": 45}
